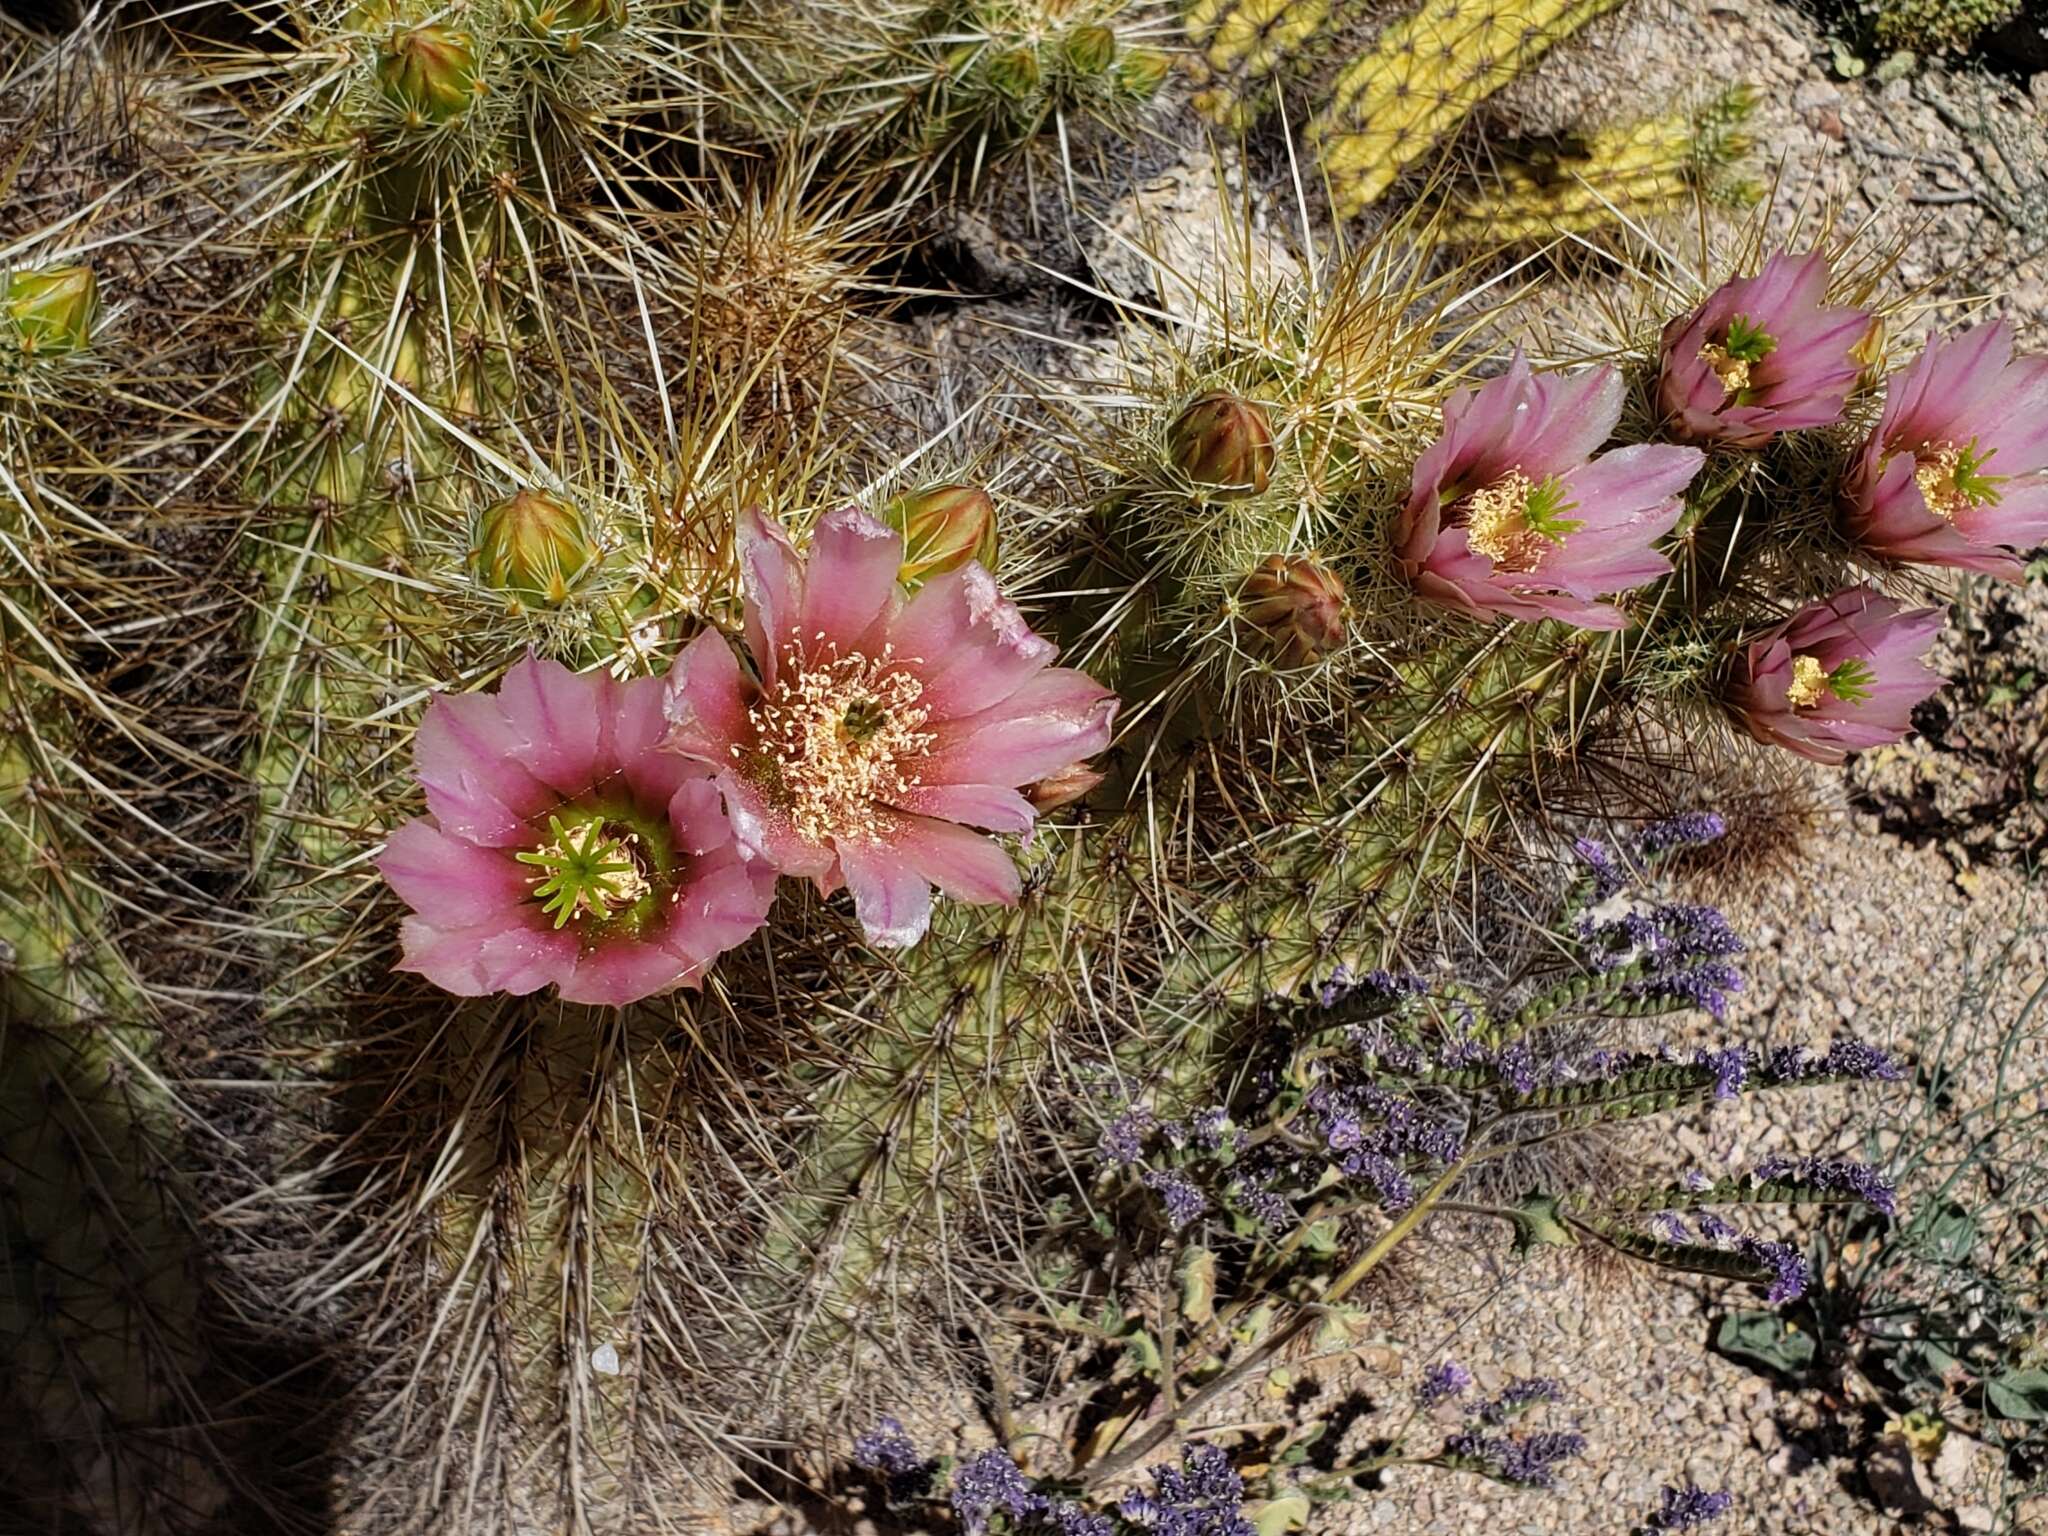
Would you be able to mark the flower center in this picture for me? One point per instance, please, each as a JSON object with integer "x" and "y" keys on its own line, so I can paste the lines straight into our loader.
{"x": 1731, "y": 358}
{"x": 1515, "y": 522}
{"x": 837, "y": 734}
{"x": 1952, "y": 480}
{"x": 590, "y": 868}
{"x": 1813, "y": 684}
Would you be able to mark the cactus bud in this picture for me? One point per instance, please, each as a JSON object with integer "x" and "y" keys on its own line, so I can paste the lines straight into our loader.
{"x": 1141, "y": 71}
{"x": 1063, "y": 788}
{"x": 429, "y": 74}
{"x": 1089, "y": 49}
{"x": 531, "y": 546}
{"x": 943, "y": 528}
{"x": 1296, "y": 604}
{"x": 570, "y": 22}
{"x": 1224, "y": 445}
{"x": 53, "y": 310}
{"x": 1014, "y": 72}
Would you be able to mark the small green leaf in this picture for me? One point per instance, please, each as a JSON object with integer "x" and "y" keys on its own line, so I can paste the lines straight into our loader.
{"x": 2021, "y": 1395}
{"x": 1275, "y": 1517}
{"x": 1539, "y": 1223}
{"x": 1765, "y": 1339}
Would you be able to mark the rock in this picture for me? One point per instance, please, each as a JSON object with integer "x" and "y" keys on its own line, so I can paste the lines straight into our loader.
{"x": 1964, "y": 1469}
{"x": 1976, "y": 1517}
{"x": 1181, "y": 237}
{"x": 1896, "y": 1479}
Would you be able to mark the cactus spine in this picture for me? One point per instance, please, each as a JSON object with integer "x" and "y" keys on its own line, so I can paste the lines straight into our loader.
{"x": 1423, "y": 77}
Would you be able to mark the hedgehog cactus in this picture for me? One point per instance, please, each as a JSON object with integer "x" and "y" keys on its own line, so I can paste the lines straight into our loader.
{"x": 1620, "y": 176}
{"x": 1423, "y": 76}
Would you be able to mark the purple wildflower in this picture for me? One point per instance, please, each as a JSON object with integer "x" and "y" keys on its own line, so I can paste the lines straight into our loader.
{"x": 1270, "y": 1210}
{"x": 1692, "y": 829}
{"x": 1122, "y": 1144}
{"x": 1396, "y": 1189}
{"x": 1518, "y": 1397}
{"x": 1716, "y": 1231}
{"x": 1834, "y": 1176}
{"x": 1692, "y": 1180}
{"x": 1073, "y": 1520}
{"x": 1183, "y": 1200}
{"x": 1790, "y": 1274}
{"x": 1441, "y": 1383}
{"x": 1602, "y": 868}
{"x": 888, "y": 1450}
{"x": 1731, "y": 1069}
{"x": 1203, "y": 1496}
{"x": 989, "y": 1483}
{"x": 1670, "y": 1227}
{"x": 1688, "y": 1507}
{"x": 1844, "y": 1058}
{"x": 1206, "y": 1127}
{"x": 1527, "y": 1461}
{"x": 1377, "y": 986}
{"x": 1516, "y": 1064}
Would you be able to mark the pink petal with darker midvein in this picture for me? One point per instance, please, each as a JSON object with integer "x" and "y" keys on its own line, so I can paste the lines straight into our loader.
{"x": 967, "y": 643}
{"x": 459, "y": 883}
{"x": 706, "y": 701}
{"x": 892, "y": 900}
{"x": 562, "y": 720}
{"x": 988, "y": 806}
{"x": 849, "y": 580}
{"x": 1056, "y": 719}
{"x": 464, "y": 758}
{"x": 771, "y": 587}
{"x": 963, "y": 864}
{"x": 516, "y": 954}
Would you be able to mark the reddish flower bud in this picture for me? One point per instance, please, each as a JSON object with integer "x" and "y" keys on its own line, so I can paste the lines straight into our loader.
{"x": 1224, "y": 445}
{"x": 53, "y": 310}
{"x": 1296, "y": 603}
{"x": 1063, "y": 788}
{"x": 532, "y": 547}
{"x": 943, "y": 528}
{"x": 429, "y": 74}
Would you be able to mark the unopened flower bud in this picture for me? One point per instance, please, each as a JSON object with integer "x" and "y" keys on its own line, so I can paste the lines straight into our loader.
{"x": 1296, "y": 605}
{"x": 943, "y": 528}
{"x": 532, "y": 546}
{"x": 571, "y": 22}
{"x": 1063, "y": 788}
{"x": 1141, "y": 71}
{"x": 53, "y": 310}
{"x": 1224, "y": 445}
{"x": 1089, "y": 49}
{"x": 1014, "y": 72}
{"x": 429, "y": 74}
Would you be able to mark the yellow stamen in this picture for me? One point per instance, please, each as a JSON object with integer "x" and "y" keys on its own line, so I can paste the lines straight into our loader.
{"x": 1809, "y": 683}
{"x": 1936, "y": 477}
{"x": 838, "y": 734}
{"x": 1497, "y": 525}
{"x": 1733, "y": 372}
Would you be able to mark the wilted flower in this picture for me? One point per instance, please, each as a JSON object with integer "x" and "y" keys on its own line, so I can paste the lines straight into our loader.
{"x": 532, "y": 547}
{"x": 943, "y": 528}
{"x": 1953, "y": 475}
{"x": 880, "y": 729}
{"x": 1509, "y": 513}
{"x": 563, "y": 847}
{"x": 1840, "y": 675}
{"x": 1294, "y": 605}
{"x": 1764, "y": 355}
{"x": 1223, "y": 444}
{"x": 53, "y": 309}
{"x": 1063, "y": 788}
{"x": 429, "y": 74}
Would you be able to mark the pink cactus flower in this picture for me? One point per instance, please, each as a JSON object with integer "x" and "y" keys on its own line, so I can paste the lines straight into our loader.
{"x": 876, "y": 730}
{"x": 1838, "y": 676}
{"x": 1764, "y": 355}
{"x": 1953, "y": 475}
{"x": 563, "y": 846}
{"x": 1509, "y": 513}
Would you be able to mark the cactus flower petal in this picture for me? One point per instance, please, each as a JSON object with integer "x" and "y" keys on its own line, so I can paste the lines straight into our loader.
{"x": 566, "y": 847}
{"x": 882, "y": 729}
{"x": 1764, "y": 355}
{"x": 1954, "y": 472}
{"x": 1508, "y": 513}
{"x": 1840, "y": 675}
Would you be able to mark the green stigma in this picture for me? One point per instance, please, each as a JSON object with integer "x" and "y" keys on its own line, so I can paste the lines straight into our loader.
{"x": 586, "y": 868}
{"x": 1545, "y": 513}
{"x": 1852, "y": 680}
{"x": 1747, "y": 341}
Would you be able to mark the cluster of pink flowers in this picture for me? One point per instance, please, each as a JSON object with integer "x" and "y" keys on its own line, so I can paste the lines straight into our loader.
{"x": 613, "y": 839}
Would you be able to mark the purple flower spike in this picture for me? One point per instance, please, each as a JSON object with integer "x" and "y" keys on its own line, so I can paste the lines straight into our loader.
{"x": 1184, "y": 1202}
{"x": 989, "y": 1483}
{"x": 1953, "y": 475}
{"x": 1443, "y": 1382}
{"x": 1509, "y": 513}
{"x": 1839, "y": 676}
{"x": 1764, "y": 355}
{"x": 1687, "y": 1508}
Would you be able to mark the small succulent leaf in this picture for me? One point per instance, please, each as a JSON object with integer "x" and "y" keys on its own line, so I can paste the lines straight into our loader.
{"x": 1762, "y": 1338}
{"x": 2021, "y": 1395}
{"x": 1539, "y": 1223}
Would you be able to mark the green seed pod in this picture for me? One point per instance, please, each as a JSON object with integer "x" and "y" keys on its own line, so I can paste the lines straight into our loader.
{"x": 1089, "y": 49}
{"x": 1224, "y": 445}
{"x": 1141, "y": 71}
{"x": 1295, "y": 604}
{"x": 531, "y": 547}
{"x": 943, "y": 528}
{"x": 53, "y": 310}
{"x": 429, "y": 74}
{"x": 1015, "y": 72}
